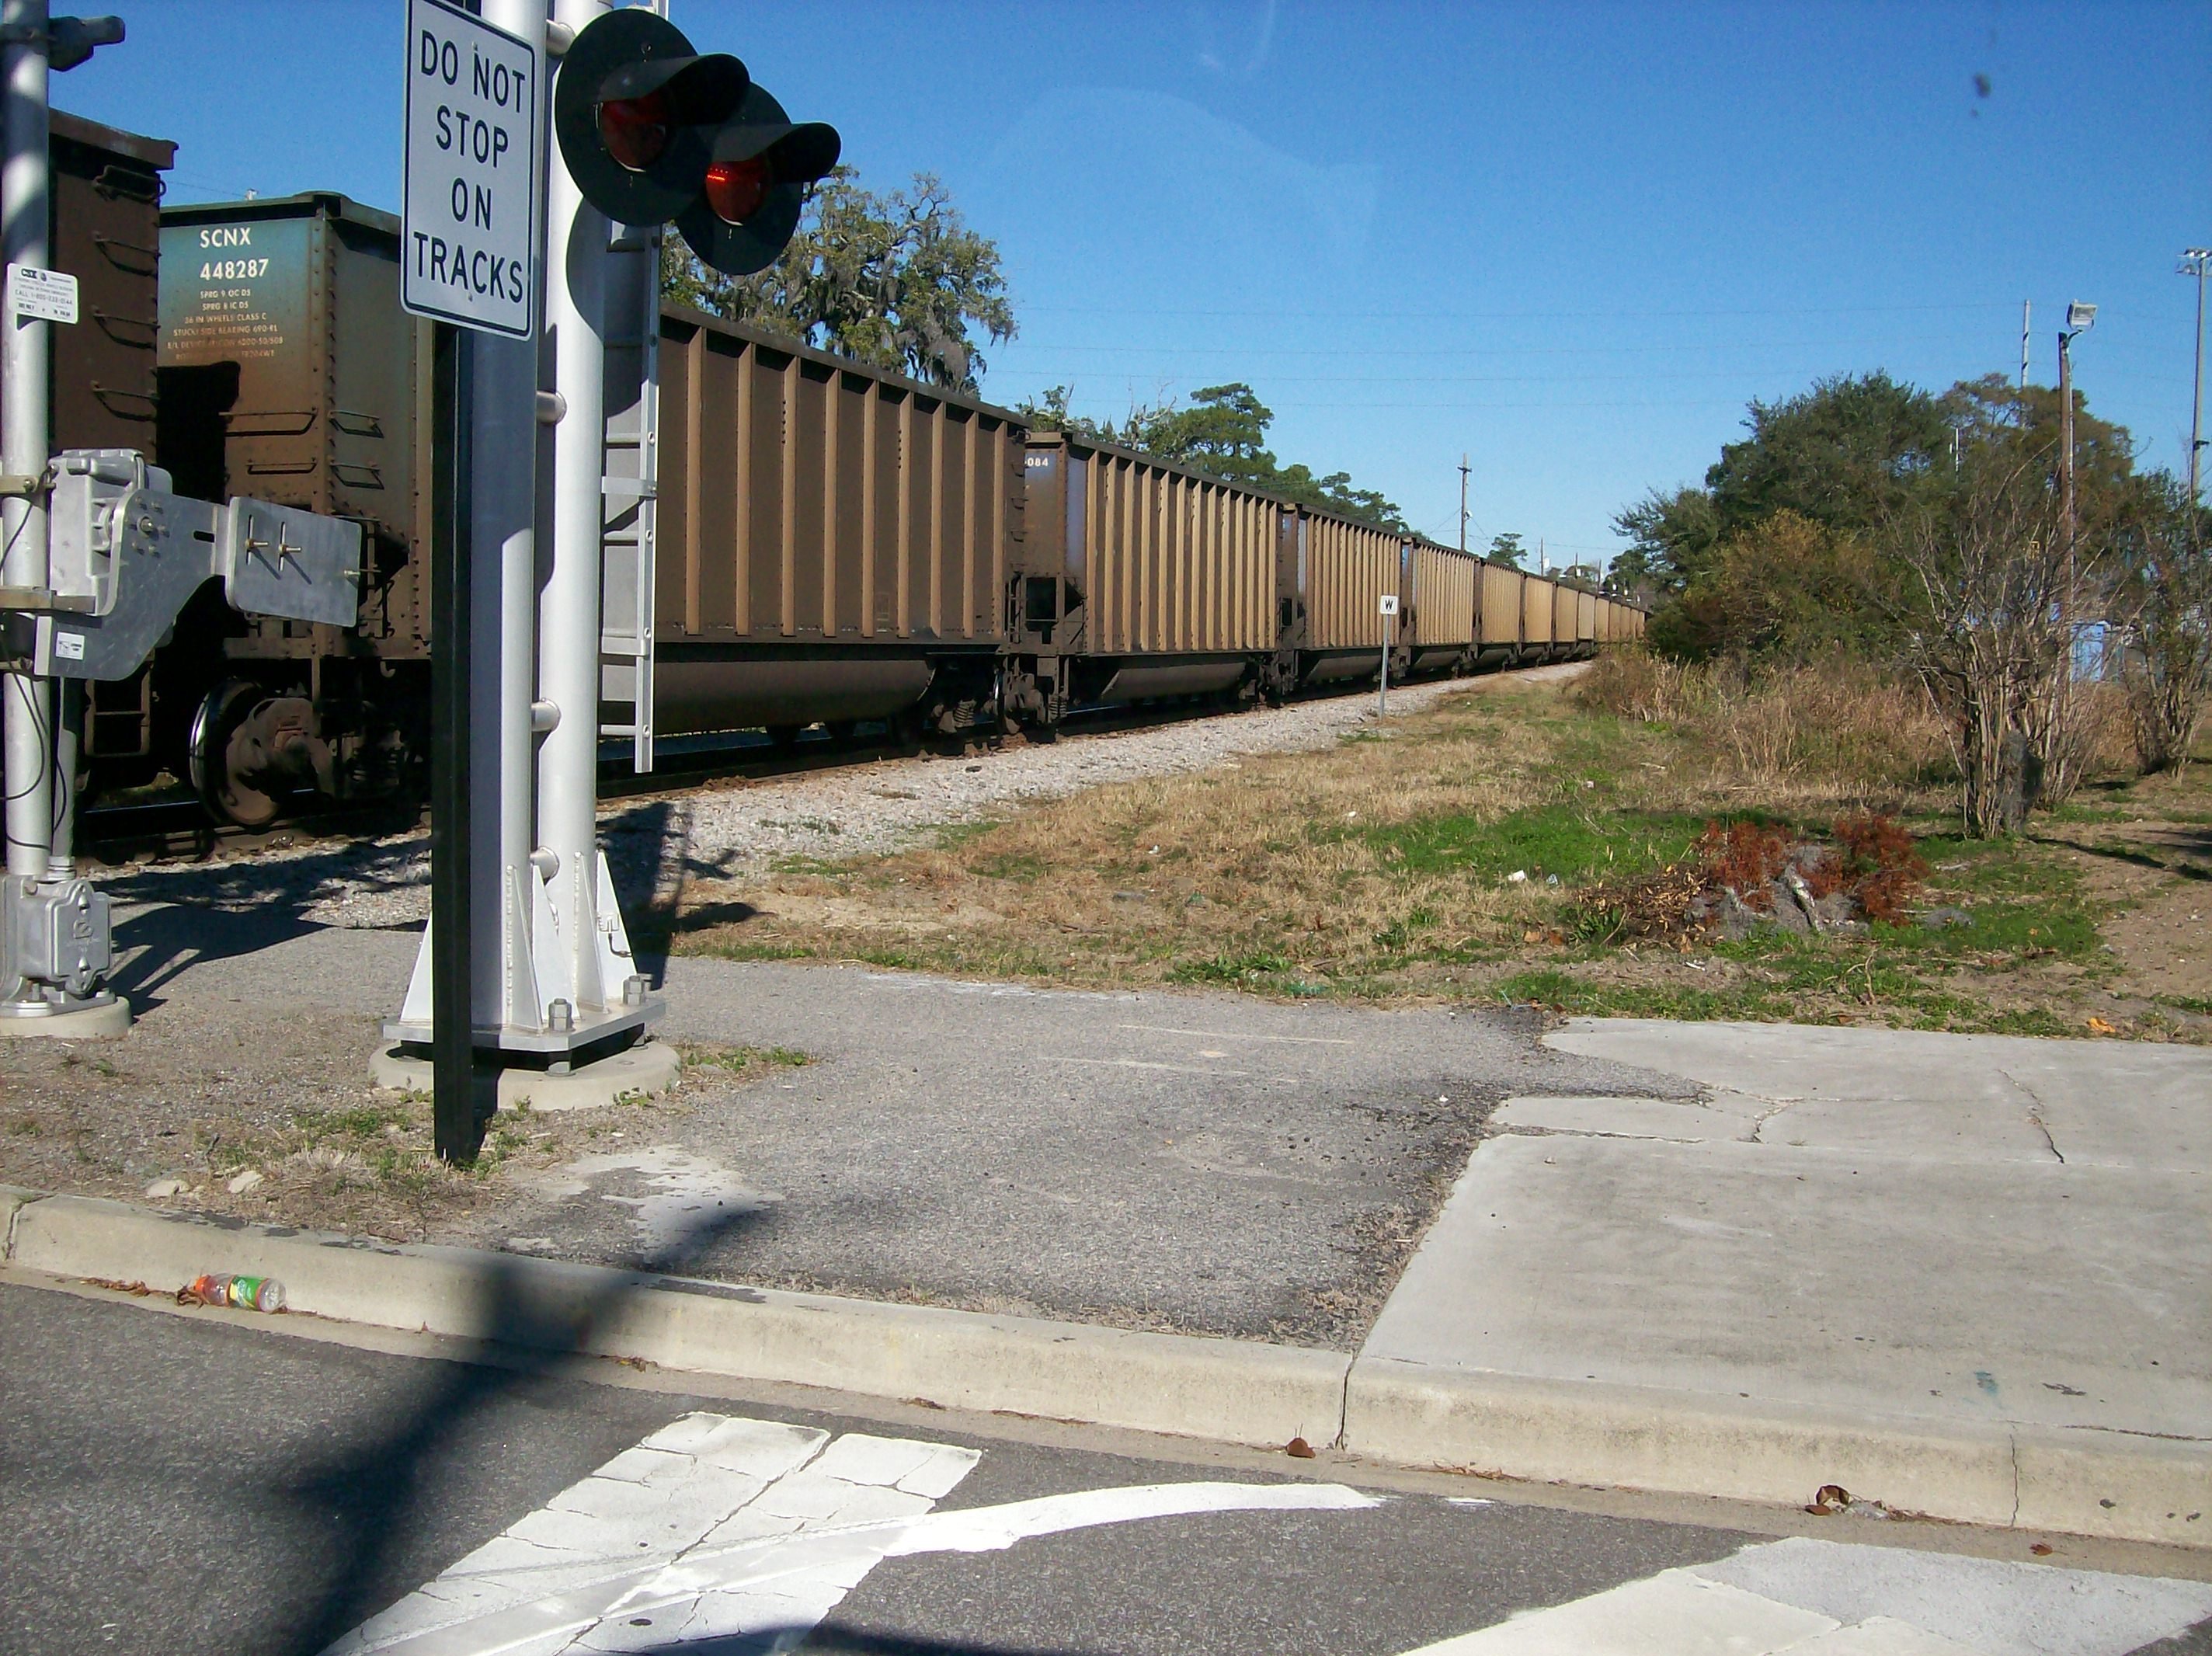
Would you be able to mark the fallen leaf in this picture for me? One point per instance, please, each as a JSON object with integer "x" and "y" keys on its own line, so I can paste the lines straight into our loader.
{"x": 2041, "y": 1549}
{"x": 2098, "y": 1027}
{"x": 1298, "y": 1449}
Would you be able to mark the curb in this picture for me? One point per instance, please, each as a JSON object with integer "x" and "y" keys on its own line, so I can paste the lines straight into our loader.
{"x": 2074, "y": 1481}
{"x": 1228, "y": 1390}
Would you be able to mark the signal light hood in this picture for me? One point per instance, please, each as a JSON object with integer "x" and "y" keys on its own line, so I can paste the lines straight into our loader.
{"x": 633, "y": 107}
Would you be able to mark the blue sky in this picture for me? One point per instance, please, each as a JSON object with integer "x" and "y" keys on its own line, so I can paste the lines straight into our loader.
{"x": 1569, "y": 240}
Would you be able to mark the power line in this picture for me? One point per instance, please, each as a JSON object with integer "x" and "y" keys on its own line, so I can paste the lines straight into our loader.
{"x": 1431, "y": 352}
{"x": 1508, "y": 316}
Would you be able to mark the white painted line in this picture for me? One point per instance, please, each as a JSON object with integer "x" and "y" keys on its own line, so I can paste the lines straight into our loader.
{"x": 1810, "y": 1598}
{"x": 1232, "y": 1035}
{"x": 1671, "y": 1614}
{"x": 993, "y": 1529}
{"x": 718, "y": 1527}
{"x": 1139, "y": 1063}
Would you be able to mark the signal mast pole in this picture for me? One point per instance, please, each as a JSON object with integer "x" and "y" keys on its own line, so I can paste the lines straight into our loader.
{"x": 1462, "y": 502}
{"x": 24, "y": 373}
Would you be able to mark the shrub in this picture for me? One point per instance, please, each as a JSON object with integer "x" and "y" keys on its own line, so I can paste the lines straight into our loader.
{"x": 1743, "y": 858}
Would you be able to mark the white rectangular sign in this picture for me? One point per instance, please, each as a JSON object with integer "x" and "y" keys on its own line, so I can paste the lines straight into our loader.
{"x": 42, "y": 295}
{"x": 471, "y": 230}
{"x": 1389, "y": 603}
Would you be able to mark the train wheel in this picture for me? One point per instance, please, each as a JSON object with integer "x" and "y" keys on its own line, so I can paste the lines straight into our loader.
{"x": 250, "y": 751}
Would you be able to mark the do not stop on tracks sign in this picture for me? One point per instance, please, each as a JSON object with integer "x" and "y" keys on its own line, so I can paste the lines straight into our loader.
{"x": 470, "y": 231}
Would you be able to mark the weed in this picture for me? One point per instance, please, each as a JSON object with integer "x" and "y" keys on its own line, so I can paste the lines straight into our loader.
{"x": 736, "y": 1060}
{"x": 1230, "y": 968}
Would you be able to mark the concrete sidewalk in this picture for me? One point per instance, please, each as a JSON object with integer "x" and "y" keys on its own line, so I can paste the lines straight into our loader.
{"x": 1963, "y": 1236}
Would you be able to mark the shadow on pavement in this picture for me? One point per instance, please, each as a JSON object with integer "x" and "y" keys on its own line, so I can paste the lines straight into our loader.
{"x": 374, "y": 1493}
{"x": 155, "y": 944}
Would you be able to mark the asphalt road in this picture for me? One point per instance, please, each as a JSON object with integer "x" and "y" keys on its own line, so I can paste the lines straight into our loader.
{"x": 1199, "y": 1163}
{"x": 188, "y": 1483}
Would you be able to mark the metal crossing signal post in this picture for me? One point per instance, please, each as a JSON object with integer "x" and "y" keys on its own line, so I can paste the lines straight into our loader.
{"x": 524, "y": 913}
{"x": 100, "y": 558}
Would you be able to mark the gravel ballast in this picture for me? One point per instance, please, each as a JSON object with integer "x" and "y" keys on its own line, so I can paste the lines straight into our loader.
{"x": 733, "y": 829}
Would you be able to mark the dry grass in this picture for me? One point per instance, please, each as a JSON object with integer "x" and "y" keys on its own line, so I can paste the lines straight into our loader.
{"x": 1385, "y": 868}
{"x": 1797, "y": 734}
{"x": 208, "y": 1104}
{"x": 1386, "y": 862}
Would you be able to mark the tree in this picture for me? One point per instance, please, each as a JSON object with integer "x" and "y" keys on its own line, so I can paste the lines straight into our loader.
{"x": 1507, "y": 549}
{"x": 1985, "y": 626}
{"x": 1670, "y": 536}
{"x": 2166, "y": 601}
{"x": 896, "y": 281}
{"x": 1783, "y": 587}
{"x": 1334, "y": 493}
{"x": 1223, "y": 433}
{"x": 1048, "y": 411}
{"x": 1850, "y": 452}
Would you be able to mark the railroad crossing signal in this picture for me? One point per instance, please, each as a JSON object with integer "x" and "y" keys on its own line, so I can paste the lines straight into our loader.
{"x": 653, "y": 132}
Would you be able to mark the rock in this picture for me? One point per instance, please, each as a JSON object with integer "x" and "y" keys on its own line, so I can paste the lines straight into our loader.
{"x": 1837, "y": 912}
{"x": 162, "y": 1189}
{"x": 1784, "y": 913}
{"x": 250, "y": 1180}
{"x": 1738, "y": 919}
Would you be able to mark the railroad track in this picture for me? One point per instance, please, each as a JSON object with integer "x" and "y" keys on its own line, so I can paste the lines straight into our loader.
{"x": 171, "y": 830}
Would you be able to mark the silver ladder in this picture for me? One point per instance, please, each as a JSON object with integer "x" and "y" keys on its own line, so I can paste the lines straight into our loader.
{"x": 632, "y": 472}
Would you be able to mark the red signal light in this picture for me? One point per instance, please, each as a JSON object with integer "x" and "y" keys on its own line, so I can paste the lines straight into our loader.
{"x": 736, "y": 189}
{"x": 635, "y": 130}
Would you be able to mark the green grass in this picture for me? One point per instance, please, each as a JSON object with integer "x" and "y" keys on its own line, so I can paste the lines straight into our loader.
{"x": 2026, "y": 902}
{"x": 1231, "y": 969}
{"x": 954, "y": 834}
{"x": 1899, "y": 997}
{"x": 744, "y": 1057}
{"x": 1576, "y": 843}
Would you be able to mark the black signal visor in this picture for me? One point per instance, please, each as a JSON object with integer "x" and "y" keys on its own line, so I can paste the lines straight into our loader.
{"x": 633, "y": 107}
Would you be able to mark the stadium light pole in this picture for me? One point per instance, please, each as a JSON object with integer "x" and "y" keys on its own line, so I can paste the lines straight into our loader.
{"x": 2194, "y": 261}
{"x": 2079, "y": 319}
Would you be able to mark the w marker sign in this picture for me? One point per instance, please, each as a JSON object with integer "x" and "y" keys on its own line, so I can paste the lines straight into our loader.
{"x": 471, "y": 231}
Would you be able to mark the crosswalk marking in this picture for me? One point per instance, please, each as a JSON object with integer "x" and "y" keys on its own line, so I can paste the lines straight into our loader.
{"x": 718, "y": 1527}
{"x": 1807, "y": 1597}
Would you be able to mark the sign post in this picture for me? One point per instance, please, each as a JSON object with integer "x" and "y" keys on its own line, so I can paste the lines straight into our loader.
{"x": 470, "y": 240}
{"x": 1388, "y": 611}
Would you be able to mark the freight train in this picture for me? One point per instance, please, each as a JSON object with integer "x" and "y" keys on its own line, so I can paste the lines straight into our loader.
{"x": 792, "y": 537}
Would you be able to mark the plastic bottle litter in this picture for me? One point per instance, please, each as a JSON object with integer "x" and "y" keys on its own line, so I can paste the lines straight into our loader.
{"x": 242, "y": 1293}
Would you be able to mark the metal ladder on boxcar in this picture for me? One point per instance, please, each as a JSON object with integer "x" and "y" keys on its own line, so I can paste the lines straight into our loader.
{"x": 629, "y": 488}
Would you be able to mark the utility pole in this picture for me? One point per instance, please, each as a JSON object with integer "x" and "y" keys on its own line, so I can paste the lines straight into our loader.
{"x": 1463, "y": 466}
{"x": 2193, "y": 263}
{"x": 2026, "y": 315}
{"x": 2079, "y": 319}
